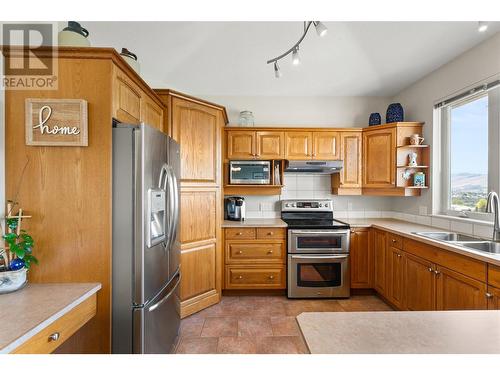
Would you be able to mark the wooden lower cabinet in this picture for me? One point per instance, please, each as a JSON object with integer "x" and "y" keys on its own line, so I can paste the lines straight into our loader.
{"x": 361, "y": 259}
{"x": 419, "y": 288}
{"x": 493, "y": 298}
{"x": 455, "y": 291}
{"x": 395, "y": 277}
{"x": 256, "y": 277}
{"x": 255, "y": 258}
{"x": 380, "y": 261}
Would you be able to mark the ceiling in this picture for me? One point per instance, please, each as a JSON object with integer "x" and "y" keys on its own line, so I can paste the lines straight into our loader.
{"x": 229, "y": 58}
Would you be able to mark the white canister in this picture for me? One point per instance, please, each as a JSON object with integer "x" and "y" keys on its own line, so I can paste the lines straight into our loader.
{"x": 74, "y": 35}
{"x": 131, "y": 59}
{"x": 11, "y": 281}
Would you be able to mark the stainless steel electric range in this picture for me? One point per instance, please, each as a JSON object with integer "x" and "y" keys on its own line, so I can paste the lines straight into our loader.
{"x": 318, "y": 250}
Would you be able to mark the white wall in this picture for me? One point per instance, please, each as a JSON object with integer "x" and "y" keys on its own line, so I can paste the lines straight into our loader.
{"x": 473, "y": 66}
{"x": 303, "y": 111}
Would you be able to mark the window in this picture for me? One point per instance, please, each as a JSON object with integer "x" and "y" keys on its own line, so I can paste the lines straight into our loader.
{"x": 469, "y": 155}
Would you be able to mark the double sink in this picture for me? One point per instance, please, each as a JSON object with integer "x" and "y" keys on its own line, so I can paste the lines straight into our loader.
{"x": 463, "y": 240}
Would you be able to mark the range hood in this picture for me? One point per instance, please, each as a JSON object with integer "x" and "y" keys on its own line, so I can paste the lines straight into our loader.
{"x": 314, "y": 166}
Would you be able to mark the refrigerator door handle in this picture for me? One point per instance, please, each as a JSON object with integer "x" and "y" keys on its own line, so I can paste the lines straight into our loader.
{"x": 160, "y": 302}
{"x": 163, "y": 182}
{"x": 175, "y": 211}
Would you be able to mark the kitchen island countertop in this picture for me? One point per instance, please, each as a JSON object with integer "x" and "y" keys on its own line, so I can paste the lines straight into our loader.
{"x": 29, "y": 310}
{"x": 402, "y": 332}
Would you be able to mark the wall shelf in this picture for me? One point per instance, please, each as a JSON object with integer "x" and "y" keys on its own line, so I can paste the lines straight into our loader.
{"x": 413, "y": 146}
{"x": 414, "y": 167}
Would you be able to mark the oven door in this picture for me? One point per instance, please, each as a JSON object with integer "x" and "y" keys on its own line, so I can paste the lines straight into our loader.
{"x": 318, "y": 276}
{"x": 316, "y": 241}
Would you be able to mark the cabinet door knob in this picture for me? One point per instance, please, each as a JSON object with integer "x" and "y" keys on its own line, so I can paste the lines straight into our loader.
{"x": 240, "y": 252}
{"x": 55, "y": 336}
{"x": 270, "y": 252}
{"x": 489, "y": 295}
{"x": 240, "y": 277}
{"x": 430, "y": 269}
{"x": 271, "y": 277}
{"x": 399, "y": 255}
{"x": 437, "y": 273}
{"x": 393, "y": 240}
{"x": 270, "y": 233}
{"x": 239, "y": 234}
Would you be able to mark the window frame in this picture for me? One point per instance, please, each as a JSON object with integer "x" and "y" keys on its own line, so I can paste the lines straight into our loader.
{"x": 493, "y": 95}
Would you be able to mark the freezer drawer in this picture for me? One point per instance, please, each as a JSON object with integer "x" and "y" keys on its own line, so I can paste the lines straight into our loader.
{"x": 156, "y": 325}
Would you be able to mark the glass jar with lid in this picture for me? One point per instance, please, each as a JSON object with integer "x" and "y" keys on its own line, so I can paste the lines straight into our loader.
{"x": 246, "y": 118}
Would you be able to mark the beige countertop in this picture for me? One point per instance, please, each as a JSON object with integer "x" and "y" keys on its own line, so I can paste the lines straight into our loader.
{"x": 400, "y": 332}
{"x": 275, "y": 223}
{"x": 406, "y": 228}
{"x": 29, "y": 310}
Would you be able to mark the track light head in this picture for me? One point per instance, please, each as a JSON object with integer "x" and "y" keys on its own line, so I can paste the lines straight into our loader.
{"x": 482, "y": 26}
{"x": 321, "y": 29}
{"x": 295, "y": 56}
{"x": 277, "y": 71}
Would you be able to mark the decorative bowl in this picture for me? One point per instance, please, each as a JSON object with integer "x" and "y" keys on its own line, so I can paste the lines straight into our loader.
{"x": 10, "y": 281}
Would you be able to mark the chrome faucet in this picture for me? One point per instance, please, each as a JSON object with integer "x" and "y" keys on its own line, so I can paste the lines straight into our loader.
{"x": 493, "y": 205}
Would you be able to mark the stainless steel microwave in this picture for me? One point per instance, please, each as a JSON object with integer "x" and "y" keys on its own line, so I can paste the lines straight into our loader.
{"x": 249, "y": 172}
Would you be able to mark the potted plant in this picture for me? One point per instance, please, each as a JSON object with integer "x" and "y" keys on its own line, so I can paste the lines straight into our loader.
{"x": 16, "y": 256}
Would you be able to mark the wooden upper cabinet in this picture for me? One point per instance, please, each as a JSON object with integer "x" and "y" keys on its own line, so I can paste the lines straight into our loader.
{"x": 379, "y": 151}
{"x": 326, "y": 145}
{"x": 298, "y": 145}
{"x": 455, "y": 291}
{"x": 380, "y": 261}
{"x": 126, "y": 99}
{"x": 360, "y": 258}
{"x": 419, "y": 286}
{"x": 152, "y": 114}
{"x": 270, "y": 144}
{"x": 197, "y": 129}
{"x": 241, "y": 145}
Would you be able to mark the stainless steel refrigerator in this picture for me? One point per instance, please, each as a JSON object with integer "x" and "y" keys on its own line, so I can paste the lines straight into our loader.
{"x": 146, "y": 248}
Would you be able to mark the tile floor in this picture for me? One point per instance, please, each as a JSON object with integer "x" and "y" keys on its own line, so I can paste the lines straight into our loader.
{"x": 259, "y": 325}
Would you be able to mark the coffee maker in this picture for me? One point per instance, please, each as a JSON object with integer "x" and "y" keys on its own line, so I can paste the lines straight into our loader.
{"x": 235, "y": 208}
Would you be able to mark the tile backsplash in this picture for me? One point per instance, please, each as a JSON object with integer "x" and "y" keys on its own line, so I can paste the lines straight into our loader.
{"x": 302, "y": 186}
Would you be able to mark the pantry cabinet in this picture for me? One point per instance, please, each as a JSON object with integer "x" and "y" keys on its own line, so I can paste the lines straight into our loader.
{"x": 361, "y": 259}
{"x": 197, "y": 126}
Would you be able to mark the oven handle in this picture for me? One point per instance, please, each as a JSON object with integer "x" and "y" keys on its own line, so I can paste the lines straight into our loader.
{"x": 346, "y": 231}
{"x": 320, "y": 256}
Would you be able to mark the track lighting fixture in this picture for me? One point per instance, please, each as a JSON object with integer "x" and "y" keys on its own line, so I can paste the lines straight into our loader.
{"x": 321, "y": 30}
{"x": 482, "y": 26}
{"x": 277, "y": 71}
{"x": 295, "y": 56}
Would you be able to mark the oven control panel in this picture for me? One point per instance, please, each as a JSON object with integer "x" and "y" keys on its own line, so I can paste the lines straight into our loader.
{"x": 306, "y": 205}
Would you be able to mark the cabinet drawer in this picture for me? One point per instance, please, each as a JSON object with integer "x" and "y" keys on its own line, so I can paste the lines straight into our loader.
{"x": 240, "y": 233}
{"x": 265, "y": 233}
{"x": 395, "y": 241}
{"x": 60, "y": 330}
{"x": 494, "y": 275}
{"x": 255, "y": 277}
{"x": 269, "y": 252}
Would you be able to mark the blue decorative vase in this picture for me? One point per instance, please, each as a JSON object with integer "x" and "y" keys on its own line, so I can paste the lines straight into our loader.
{"x": 375, "y": 119}
{"x": 16, "y": 264}
{"x": 395, "y": 113}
